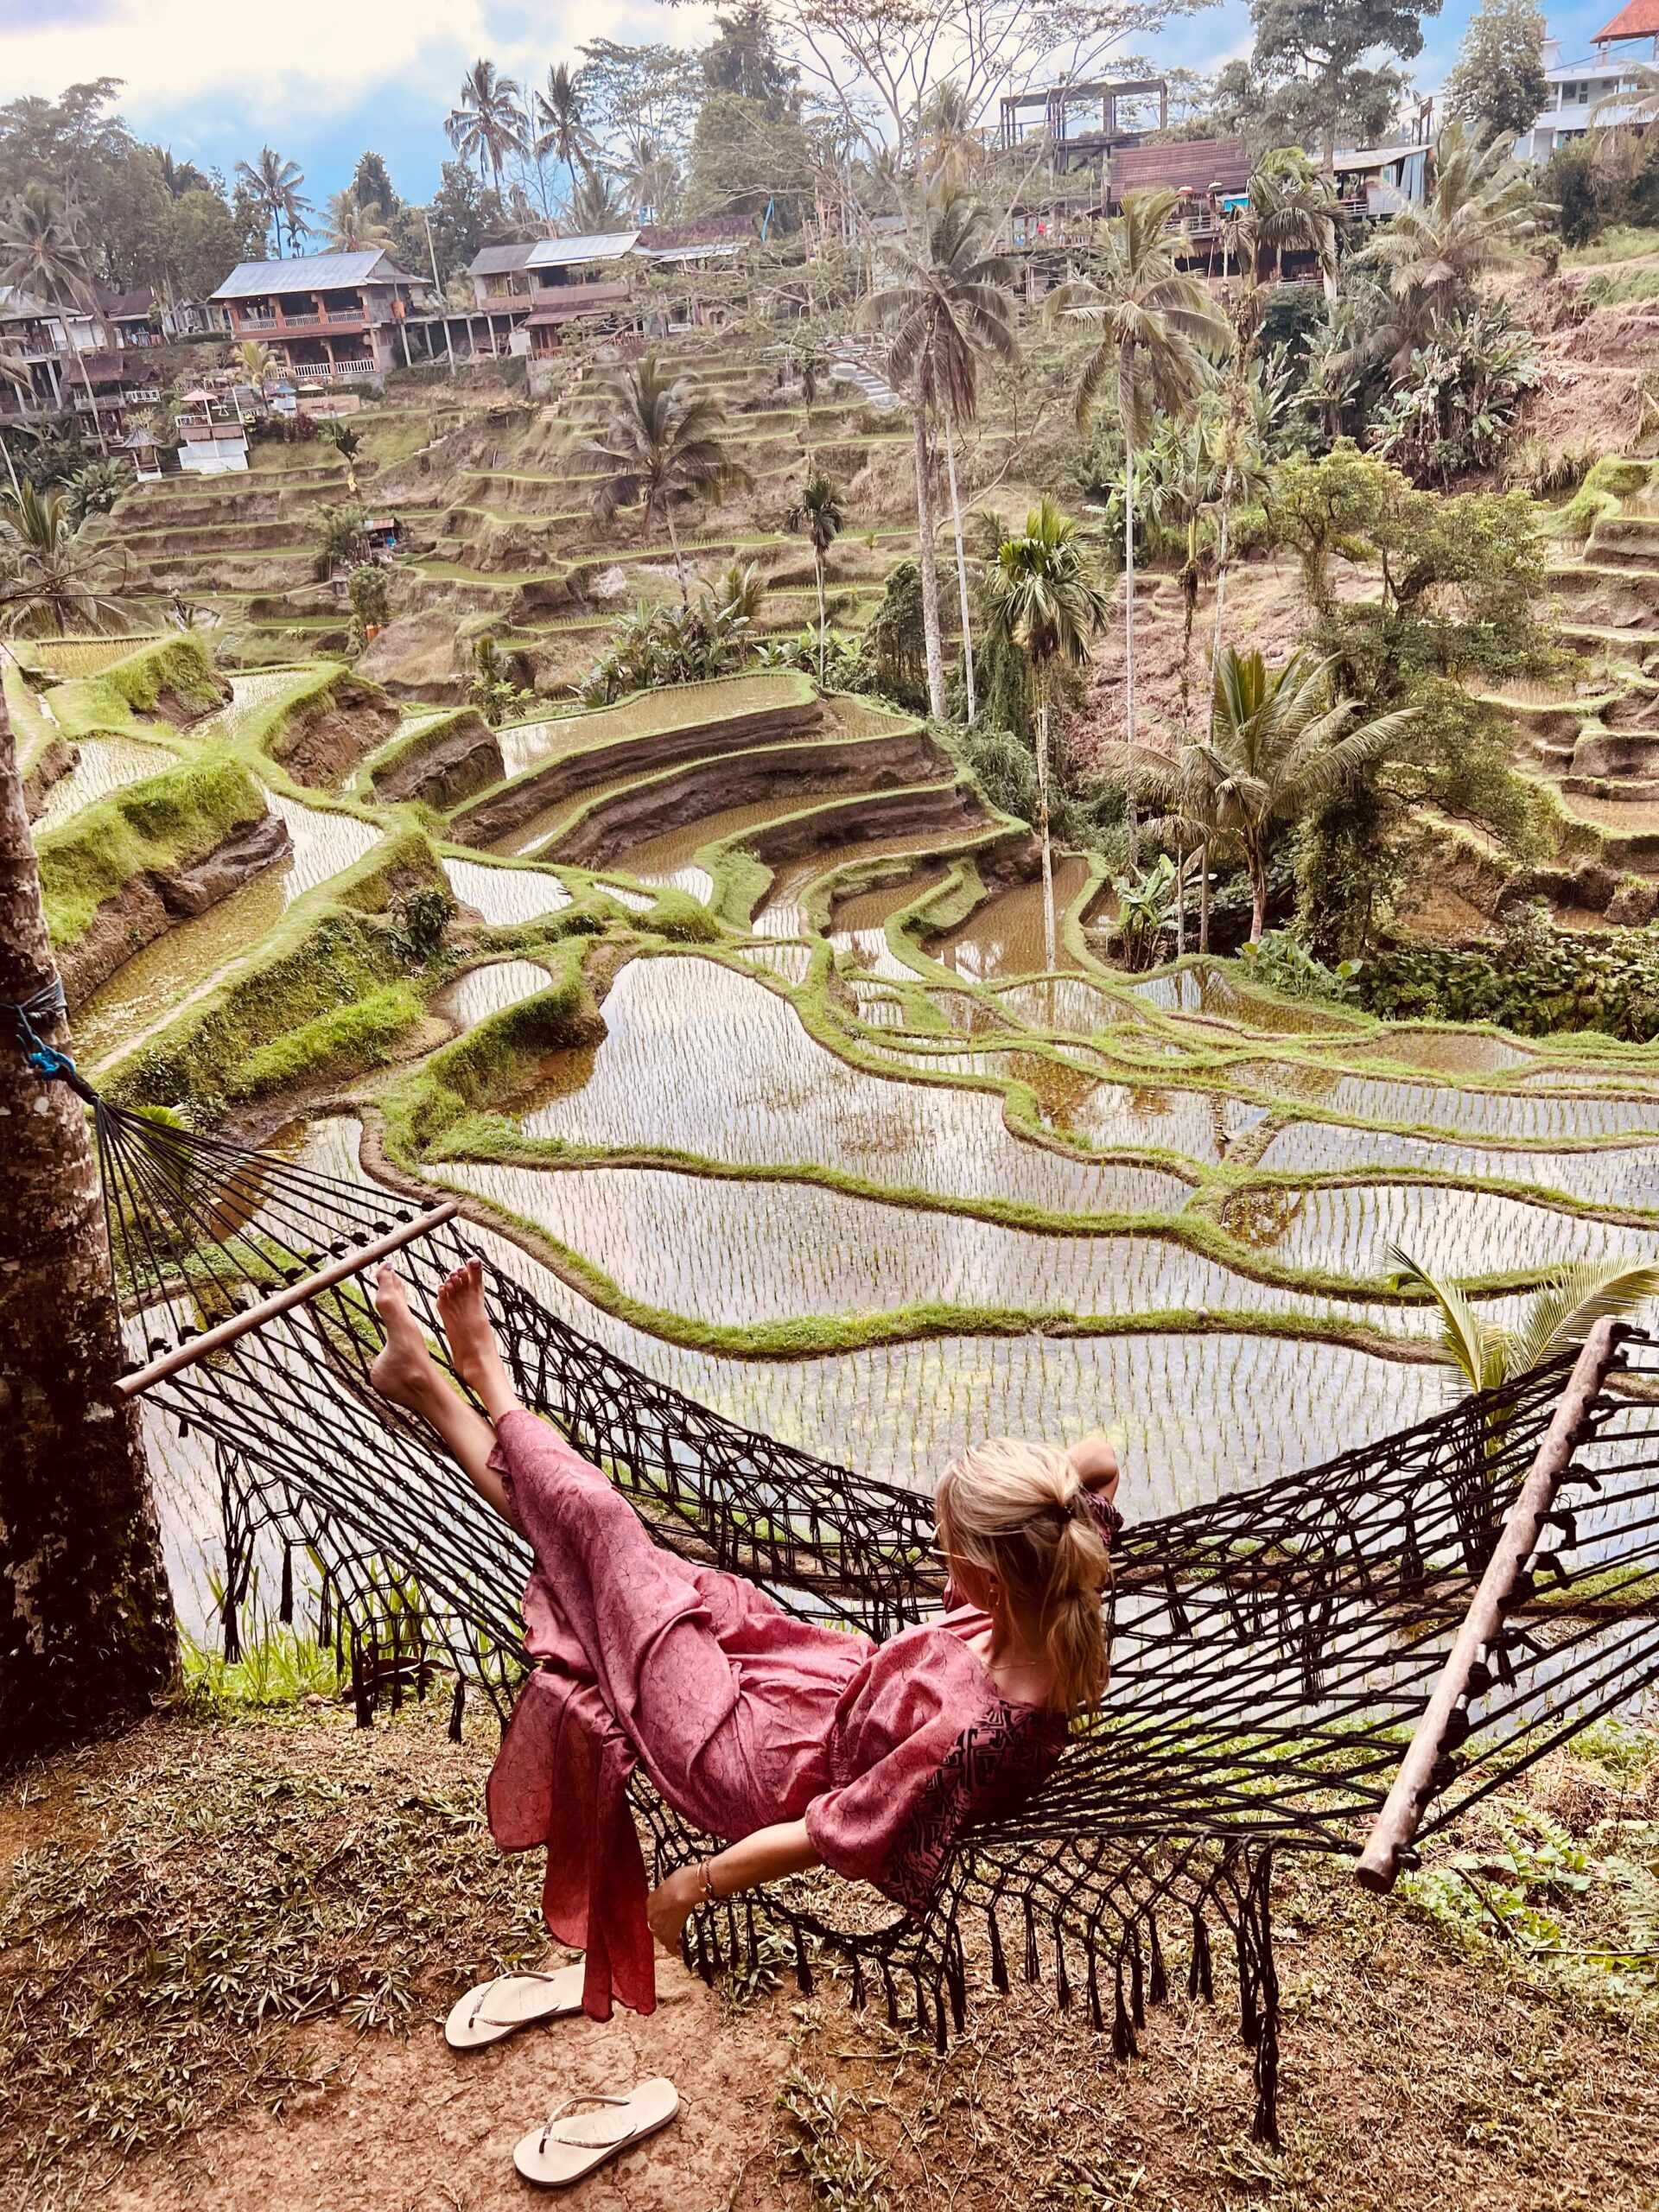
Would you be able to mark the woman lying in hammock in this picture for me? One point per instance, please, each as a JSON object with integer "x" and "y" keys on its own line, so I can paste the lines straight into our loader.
{"x": 803, "y": 1745}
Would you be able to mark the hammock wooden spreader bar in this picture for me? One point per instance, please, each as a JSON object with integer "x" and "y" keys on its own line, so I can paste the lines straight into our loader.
{"x": 294, "y": 1293}
{"x": 1420, "y": 1770}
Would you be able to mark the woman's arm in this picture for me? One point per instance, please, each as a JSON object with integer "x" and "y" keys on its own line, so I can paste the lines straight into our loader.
{"x": 1095, "y": 1461}
{"x": 765, "y": 1856}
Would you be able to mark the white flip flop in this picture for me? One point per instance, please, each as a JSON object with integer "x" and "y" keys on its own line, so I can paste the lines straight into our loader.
{"x": 512, "y": 2001}
{"x": 574, "y": 2145}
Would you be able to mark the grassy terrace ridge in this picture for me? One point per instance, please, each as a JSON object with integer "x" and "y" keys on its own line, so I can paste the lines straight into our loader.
{"x": 163, "y": 825}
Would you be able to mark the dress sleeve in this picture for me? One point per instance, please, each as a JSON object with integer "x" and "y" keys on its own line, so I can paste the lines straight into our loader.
{"x": 1107, "y": 1518}
{"x": 894, "y": 1824}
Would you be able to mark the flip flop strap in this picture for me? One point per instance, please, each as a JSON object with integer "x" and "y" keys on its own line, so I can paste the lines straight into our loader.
{"x": 551, "y": 2133}
{"x": 478, "y": 2017}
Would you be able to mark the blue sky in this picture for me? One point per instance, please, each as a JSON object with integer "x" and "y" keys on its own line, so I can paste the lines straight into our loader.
{"x": 322, "y": 79}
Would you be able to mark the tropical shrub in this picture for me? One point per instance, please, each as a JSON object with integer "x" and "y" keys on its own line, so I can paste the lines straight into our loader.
{"x": 1533, "y": 979}
{"x": 1454, "y": 408}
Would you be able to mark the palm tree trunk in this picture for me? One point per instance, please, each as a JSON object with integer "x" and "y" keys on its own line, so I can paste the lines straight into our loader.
{"x": 1180, "y": 900}
{"x": 1223, "y": 544}
{"x": 86, "y": 1626}
{"x": 679, "y": 558}
{"x": 1258, "y": 896}
{"x": 1050, "y": 949}
{"x": 92, "y": 397}
{"x": 961, "y": 580}
{"x": 1204, "y": 896}
{"x": 1129, "y": 647}
{"x": 928, "y": 565}
{"x": 818, "y": 563}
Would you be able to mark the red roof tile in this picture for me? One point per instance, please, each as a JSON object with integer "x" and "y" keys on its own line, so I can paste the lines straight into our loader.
{"x": 1639, "y": 19}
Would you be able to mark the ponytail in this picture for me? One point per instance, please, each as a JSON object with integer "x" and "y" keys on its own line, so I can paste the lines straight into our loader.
{"x": 1019, "y": 1511}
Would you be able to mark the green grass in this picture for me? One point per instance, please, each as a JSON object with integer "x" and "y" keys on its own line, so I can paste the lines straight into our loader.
{"x": 164, "y": 824}
{"x": 1624, "y": 242}
{"x": 345, "y": 1041}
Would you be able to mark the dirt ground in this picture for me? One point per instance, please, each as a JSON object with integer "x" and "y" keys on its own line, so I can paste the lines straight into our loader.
{"x": 1416, "y": 2075}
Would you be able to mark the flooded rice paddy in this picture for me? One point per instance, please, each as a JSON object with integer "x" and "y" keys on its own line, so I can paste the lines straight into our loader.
{"x": 1075, "y": 1094}
{"x": 104, "y": 764}
{"x": 702, "y": 1060}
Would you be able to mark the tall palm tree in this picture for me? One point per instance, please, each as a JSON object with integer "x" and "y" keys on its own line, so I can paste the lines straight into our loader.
{"x": 652, "y": 178}
{"x": 1048, "y": 603}
{"x": 1291, "y": 208}
{"x": 592, "y": 207}
{"x": 818, "y": 515}
{"x": 354, "y": 227}
{"x": 487, "y": 123}
{"x": 259, "y": 363}
{"x": 43, "y": 254}
{"x": 1562, "y": 1312}
{"x": 1277, "y": 741}
{"x": 1158, "y": 332}
{"x": 50, "y": 579}
{"x": 273, "y": 184}
{"x": 561, "y": 128}
{"x": 950, "y": 311}
{"x": 1482, "y": 209}
{"x": 15, "y": 373}
{"x": 660, "y": 443}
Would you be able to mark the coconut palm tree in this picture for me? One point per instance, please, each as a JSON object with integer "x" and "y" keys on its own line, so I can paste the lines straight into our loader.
{"x": 1484, "y": 1354}
{"x": 273, "y": 184}
{"x": 652, "y": 179}
{"x": 354, "y": 227}
{"x": 1277, "y": 741}
{"x": 818, "y": 515}
{"x": 1158, "y": 332}
{"x": 1481, "y": 211}
{"x": 487, "y": 123}
{"x": 592, "y": 207}
{"x": 43, "y": 254}
{"x": 660, "y": 443}
{"x": 347, "y": 443}
{"x": 561, "y": 132}
{"x": 259, "y": 364}
{"x": 1291, "y": 208}
{"x": 950, "y": 312}
{"x": 1047, "y": 602}
{"x": 50, "y": 579}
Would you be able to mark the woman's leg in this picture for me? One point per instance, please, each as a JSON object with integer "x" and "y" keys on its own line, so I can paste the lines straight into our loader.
{"x": 406, "y": 1373}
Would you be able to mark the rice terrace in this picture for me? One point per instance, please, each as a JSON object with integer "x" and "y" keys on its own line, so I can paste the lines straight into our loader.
{"x": 899, "y": 726}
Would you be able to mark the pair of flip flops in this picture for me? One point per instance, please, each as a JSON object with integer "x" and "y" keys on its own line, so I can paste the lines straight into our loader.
{"x": 573, "y": 2143}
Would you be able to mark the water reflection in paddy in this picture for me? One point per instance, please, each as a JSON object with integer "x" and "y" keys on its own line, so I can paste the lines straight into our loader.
{"x": 1202, "y": 989}
{"x": 1004, "y": 936}
{"x": 504, "y": 896}
{"x": 1447, "y": 1232}
{"x": 671, "y": 857}
{"x": 721, "y": 1250}
{"x": 700, "y": 1060}
{"x": 104, "y": 764}
{"x": 183, "y": 964}
{"x": 859, "y": 918}
{"x": 1492, "y": 1113}
{"x": 1619, "y": 1175}
{"x": 484, "y": 991}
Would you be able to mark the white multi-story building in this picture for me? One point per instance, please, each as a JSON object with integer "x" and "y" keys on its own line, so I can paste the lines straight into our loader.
{"x": 1583, "y": 93}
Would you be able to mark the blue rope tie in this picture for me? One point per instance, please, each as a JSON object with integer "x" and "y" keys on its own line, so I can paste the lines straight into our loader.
{"x": 46, "y": 1006}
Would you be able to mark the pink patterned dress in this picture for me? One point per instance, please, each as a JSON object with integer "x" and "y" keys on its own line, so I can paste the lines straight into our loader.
{"x": 741, "y": 1715}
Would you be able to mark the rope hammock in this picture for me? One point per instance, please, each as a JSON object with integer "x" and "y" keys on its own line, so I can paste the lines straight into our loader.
{"x": 1489, "y": 1580}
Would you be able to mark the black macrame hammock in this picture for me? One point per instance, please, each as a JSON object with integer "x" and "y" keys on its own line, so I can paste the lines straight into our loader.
{"x": 1362, "y": 1648}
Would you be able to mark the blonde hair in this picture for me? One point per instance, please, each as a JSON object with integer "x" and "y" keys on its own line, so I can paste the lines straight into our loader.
{"x": 1019, "y": 1511}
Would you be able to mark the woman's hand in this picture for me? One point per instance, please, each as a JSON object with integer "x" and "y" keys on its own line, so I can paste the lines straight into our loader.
{"x": 1095, "y": 1461}
{"x": 671, "y": 1904}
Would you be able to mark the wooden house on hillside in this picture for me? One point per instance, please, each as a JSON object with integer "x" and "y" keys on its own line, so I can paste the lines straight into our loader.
{"x": 329, "y": 315}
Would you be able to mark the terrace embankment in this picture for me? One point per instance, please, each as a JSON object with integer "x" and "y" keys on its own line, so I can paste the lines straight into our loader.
{"x": 446, "y": 760}
{"x": 685, "y": 724}
{"x": 615, "y": 823}
{"x": 160, "y": 851}
{"x": 324, "y": 733}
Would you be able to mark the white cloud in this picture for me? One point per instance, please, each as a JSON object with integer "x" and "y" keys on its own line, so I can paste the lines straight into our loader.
{"x": 247, "y": 69}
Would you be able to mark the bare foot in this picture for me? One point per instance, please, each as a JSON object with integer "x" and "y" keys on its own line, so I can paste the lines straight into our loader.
{"x": 473, "y": 1348}
{"x": 404, "y": 1372}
